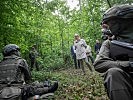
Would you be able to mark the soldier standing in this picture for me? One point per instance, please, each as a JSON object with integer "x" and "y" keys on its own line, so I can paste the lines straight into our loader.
{"x": 33, "y": 58}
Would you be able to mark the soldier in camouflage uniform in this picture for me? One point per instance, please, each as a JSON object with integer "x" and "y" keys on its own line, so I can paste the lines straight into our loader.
{"x": 33, "y": 58}
{"x": 118, "y": 79}
{"x": 14, "y": 76}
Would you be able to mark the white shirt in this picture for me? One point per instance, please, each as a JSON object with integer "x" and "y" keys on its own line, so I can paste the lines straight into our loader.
{"x": 88, "y": 50}
{"x": 80, "y": 49}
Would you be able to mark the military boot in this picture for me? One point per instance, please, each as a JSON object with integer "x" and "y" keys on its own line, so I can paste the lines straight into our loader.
{"x": 53, "y": 87}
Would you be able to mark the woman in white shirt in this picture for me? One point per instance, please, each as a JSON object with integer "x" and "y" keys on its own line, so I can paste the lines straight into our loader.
{"x": 80, "y": 49}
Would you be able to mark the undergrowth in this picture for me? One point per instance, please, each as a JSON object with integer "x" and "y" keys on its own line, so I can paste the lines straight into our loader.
{"x": 73, "y": 85}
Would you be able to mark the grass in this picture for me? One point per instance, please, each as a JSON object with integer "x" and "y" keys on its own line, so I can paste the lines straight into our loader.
{"x": 75, "y": 86}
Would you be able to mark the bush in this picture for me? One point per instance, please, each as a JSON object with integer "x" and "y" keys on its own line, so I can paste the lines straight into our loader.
{"x": 53, "y": 63}
{"x": 41, "y": 75}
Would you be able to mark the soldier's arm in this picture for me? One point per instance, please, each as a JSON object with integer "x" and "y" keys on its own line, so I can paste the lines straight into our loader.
{"x": 25, "y": 69}
{"x": 103, "y": 62}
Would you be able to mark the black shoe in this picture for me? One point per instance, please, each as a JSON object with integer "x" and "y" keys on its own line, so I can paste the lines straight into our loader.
{"x": 53, "y": 87}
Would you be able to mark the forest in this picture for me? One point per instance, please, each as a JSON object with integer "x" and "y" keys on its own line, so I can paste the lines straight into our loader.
{"x": 51, "y": 25}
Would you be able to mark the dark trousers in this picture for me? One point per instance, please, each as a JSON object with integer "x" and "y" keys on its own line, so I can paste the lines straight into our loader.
{"x": 34, "y": 63}
{"x": 76, "y": 62}
{"x": 119, "y": 84}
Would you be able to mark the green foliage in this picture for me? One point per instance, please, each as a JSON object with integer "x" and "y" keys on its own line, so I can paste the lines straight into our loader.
{"x": 73, "y": 85}
{"x": 50, "y": 64}
{"x": 51, "y": 25}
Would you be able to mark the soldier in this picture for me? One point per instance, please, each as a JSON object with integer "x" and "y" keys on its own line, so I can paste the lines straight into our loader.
{"x": 33, "y": 58}
{"x": 118, "y": 79}
{"x": 14, "y": 74}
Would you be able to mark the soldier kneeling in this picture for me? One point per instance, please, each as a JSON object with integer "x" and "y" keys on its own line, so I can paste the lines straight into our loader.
{"x": 115, "y": 58}
{"x": 14, "y": 74}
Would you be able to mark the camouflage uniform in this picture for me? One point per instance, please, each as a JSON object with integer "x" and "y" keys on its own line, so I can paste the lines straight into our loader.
{"x": 33, "y": 58}
{"x": 14, "y": 74}
{"x": 118, "y": 80}
{"x": 119, "y": 84}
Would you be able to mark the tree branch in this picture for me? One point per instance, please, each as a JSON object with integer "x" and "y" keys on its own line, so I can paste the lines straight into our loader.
{"x": 109, "y": 3}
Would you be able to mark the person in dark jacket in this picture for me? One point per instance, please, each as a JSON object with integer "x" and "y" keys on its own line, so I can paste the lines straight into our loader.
{"x": 76, "y": 63}
{"x": 118, "y": 77}
{"x": 15, "y": 76}
{"x": 97, "y": 46}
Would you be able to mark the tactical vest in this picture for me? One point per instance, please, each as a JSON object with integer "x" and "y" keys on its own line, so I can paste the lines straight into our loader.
{"x": 121, "y": 51}
{"x": 10, "y": 71}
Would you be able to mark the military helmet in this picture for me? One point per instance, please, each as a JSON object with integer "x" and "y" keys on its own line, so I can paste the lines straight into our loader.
{"x": 119, "y": 11}
{"x": 10, "y": 48}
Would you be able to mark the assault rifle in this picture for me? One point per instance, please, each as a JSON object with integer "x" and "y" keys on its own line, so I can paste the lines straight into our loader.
{"x": 121, "y": 51}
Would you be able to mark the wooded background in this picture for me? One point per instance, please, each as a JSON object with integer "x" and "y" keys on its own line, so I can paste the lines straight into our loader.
{"x": 51, "y": 25}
